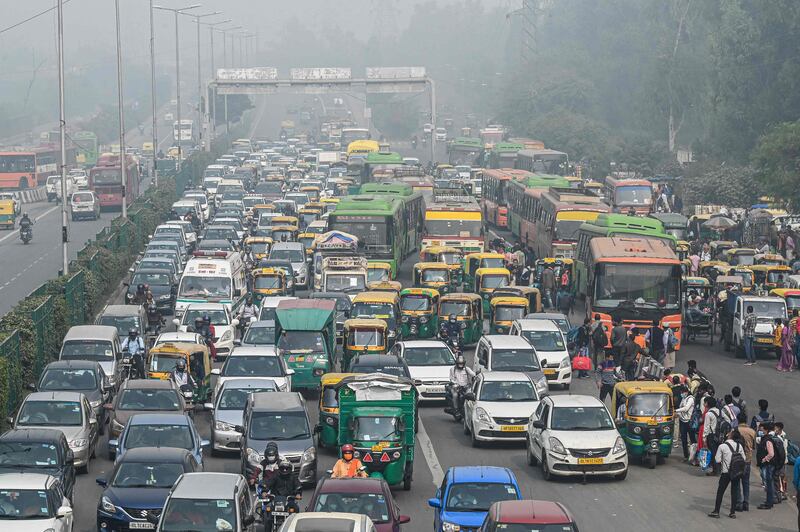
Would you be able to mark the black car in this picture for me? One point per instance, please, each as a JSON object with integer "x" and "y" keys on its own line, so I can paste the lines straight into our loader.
{"x": 83, "y": 376}
{"x": 38, "y": 451}
{"x": 388, "y": 364}
{"x": 162, "y": 284}
{"x": 139, "y": 485}
{"x": 220, "y": 232}
{"x": 343, "y": 306}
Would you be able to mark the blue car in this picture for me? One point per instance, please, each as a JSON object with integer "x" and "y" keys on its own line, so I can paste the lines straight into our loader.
{"x": 139, "y": 485}
{"x": 466, "y": 495}
{"x": 159, "y": 430}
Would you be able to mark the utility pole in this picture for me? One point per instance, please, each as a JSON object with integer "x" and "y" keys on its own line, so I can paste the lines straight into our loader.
{"x": 63, "y": 138}
{"x": 200, "y": 73}
{"x": 123, "y": 159}
{"x": 211, "y": 104}
{"x": 153, "y": 93}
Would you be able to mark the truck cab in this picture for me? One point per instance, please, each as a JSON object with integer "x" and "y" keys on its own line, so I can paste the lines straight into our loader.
{"x": 766, "y": 309}
{"x": 344, "y": 274}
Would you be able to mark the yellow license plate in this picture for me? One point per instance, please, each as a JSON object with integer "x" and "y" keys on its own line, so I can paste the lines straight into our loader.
{"x": 299, "y": 358}
{"x": 764, "y": 340}
{"x": 377, "y": 448}
{"x": 590, "y": 461}
{"x": 512, "y": 428}
{"x": 549, "y": 372}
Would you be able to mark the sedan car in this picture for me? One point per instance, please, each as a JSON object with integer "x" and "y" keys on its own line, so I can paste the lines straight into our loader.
{"x": 498, "y": 407}
{"x": 160, "y": 430}
{"x": 390, "y": 364}
{"x": 43, "y": 451}
{"x": 82, "y": 376}
{"x": 69, "y": 412}
{"x": 162, "y": 284}
{"x": 138, "y": 486}
{"x": 228, "y": 408}
{"x": 367, "y": 496}
{"x": 429, "y": 361}
{"x": 250, "y": 362}
{"x": 574, "y": 435}
{"x": 34, "y": 501}
{"x": 142, "y": 396}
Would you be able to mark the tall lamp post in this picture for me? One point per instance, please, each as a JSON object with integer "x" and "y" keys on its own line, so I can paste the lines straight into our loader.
{"x": 62, "y": 125}
{"x": 199, "y": 68}
{"x": 123, "y": 159}
{"x": 212, "y": 101}
{"x": 177, "y": 12}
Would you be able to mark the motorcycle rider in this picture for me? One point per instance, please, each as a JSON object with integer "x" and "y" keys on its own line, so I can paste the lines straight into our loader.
{"x": 348, "y": 466}
{"x": 182, "y": 379}
{"x": 210, "y": 335}
{"x": 249, "y": 310}
{"x": 154, "y": 319}
{"x": 461, "y": 378}
{"x": 269, "y": 465}
{"x": 141, "y": 294}
{"x": 135, "y": 347}
{"x": 248, "y": 257}
{"x": 284, "y": 486}
{"x": 26, "y": 224}
{"x": 205, "y": 330}
{"x": 450, "y": 331}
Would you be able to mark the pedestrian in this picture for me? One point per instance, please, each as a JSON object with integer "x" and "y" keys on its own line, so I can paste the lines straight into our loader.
{"x": 548, "y": 286}
{"x": 736, "y": 393}
{"x": 685, "y": 411}
{"x": 565, "y": 302}
{"x": 599, "y": 340}
{"x": 520, "y": 255}
{"x": 655, "y": 341}
{"x": 583, "y": 344}
{"x": 749, "y": 327}
{"x": 796, "y": 482}
{"x": 765, "y": 453}
{"x": 749, "y": 442}
{"x": 670, "y": 342}
{"x": 694, "y": 260}
{"x": 763, "y": 414}
{"x": 631, "y": 352}
{"x": 725, "y": 457}
{"x": 711, "y": 418}
{"x": 786, "y": 362}
{"x": 781, "y": 443}
{"x": 705, "y": 252}
{"x": 606, "y": 376}
{"x": 619, "y": 334}
{"x": 730, "y": 412}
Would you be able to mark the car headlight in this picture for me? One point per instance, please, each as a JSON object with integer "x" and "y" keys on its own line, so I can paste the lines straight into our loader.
{"x": 404, "y": 319}
{"x": 541, "y": 384}
{"x": 107, "y": 506}
{"x": 254, "y": 456}
{"x": 226, "y": 337}
{"x": 565, "y": 363}
{"x": 450, "y": 527}
{"x": 226, "y": 427}
{"x": 556, "y": 446}
{"x": 637, "y": 430}
{"x": 619, "y": 446}
{"x": 77, "y": 444}
{"x": 423, "y": 319}
{"x": 482, "y": 415}
{"x": 667, "y": 428}
{"x": 309, "y": 455}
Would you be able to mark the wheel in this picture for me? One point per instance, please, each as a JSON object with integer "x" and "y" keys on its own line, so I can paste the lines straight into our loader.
{"x": 529, "y": 454}
{"x": 473, "y": 440}
{"x": 621, "y": 476}
{"x": 546, "y": 475}
{"x": 466, "y": 427}
{"x": 566, "y": 386}
{"x": 726, "y": 342}
{"x": 650, "y": 460}
{"x": 408, "y": 477}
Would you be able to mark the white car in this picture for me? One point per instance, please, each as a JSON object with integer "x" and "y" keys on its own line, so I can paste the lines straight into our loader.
{"x": 499, "y": 406}
{"x": 429, "y": 361}
{"x": 427, "y": 129}
{"x": 80, "y": 177}
{"x": 441, "y": 134}
{"x": 34, "y": 501}
{"x": 550, "y": 344}
{"x": 250, "y": 362}
{"x": 574, "y": 435}
{"x": 224, "y": 324}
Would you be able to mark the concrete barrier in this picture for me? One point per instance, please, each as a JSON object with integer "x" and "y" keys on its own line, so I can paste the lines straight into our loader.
{"x": 33, "y": 195}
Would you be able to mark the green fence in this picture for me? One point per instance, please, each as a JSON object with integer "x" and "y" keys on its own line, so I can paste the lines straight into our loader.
{"x": 10, "y": 363}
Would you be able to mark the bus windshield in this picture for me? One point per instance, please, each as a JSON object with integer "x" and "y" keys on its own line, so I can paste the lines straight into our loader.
{"x": 644, "y": 285}
{"x": 471, "y": 228}
{"x": 109, "y": 176}
{"x": 633, "y": 195}
{"x": 368, "y": 233}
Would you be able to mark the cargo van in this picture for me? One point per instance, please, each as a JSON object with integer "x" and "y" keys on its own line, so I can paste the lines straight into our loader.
{"x": 212, "y": 277}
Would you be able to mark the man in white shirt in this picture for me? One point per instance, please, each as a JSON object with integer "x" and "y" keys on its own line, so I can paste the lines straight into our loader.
{"x": 732, "y": 445}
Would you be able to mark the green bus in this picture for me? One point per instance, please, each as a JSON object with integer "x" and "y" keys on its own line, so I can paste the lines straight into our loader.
{"x": 609, "y": 225}
{"x": 87, "y": 151}
{"x": 503, "y": 155}
{"x": 414, "y": 208}
{"x": 464, "y": 150}
{"x": 523, "y": 198}
{"x": 380, "y": 165}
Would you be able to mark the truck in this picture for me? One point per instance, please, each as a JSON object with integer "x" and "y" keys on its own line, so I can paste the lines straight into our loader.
{"x": 307, "y": 339}
{"x": 332, "y": 244}
{"x": 731, "y": 317}
{"x": 344, "y": 274}
{"x": 327, "y": 157}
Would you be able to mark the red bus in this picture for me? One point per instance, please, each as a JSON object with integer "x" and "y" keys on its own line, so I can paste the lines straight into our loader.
{"x": 106, "y": 180}
{"x": 626, "y": 194}
{"x": 494, "y": 193}
{"x": 17, "y": 170}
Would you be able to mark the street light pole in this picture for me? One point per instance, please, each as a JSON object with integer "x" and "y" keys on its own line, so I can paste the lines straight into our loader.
{"x": 123, "y": 159}
{"x": 200, "y": 72}
{"x": 212, "y": 99}
{"x": 63, "y": 138}
{"x": 153, "y": 92}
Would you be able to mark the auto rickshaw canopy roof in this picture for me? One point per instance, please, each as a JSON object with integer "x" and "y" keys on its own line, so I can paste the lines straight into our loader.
{"x": 628, "y": 388}
{"x": 480, "y": 255}
{"x": 509, "y": 301}
{"x": 385, "y": 286}
{"x": 379, "y": 266}
{"x": 461, "y": 297}
{"x": 332, "y": 379}
{"x": 430, "y": 292}
{"x": 492, "y": 271}
{"x": 728, "y": 279}
{"x": 365, "y": 323}
{"x": 555, "y": 261}
{"x": 271, "y": 272}
{"x": 696, "y": 282}
{"x": 258, "y": 240}
{"x": 435, "y": 250}
{"x": 377, "y": 297}
{"x": 784, "y": 292}
{"x": 431, "y": 266}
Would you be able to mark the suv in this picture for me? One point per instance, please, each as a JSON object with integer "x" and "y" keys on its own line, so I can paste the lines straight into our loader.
{"x": 39, "y": 450}
{"x": 215, "y": 501}
{"x": 502, "y": 352}
{"x": 294, "y": 252}
{"x": 84, "y": 205}
{"x": 547, "y": 339}
{"x": 278, "y": 417}
{"x": 529, "y": 515}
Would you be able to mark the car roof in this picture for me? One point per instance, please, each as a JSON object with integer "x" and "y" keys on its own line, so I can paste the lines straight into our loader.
{"x": 506, "y": 341}
{"x": 91, "y": 332}
{"x": 25, "y": 481}
{"x": 351, "y": 485}
{"x": 411, "y": 344}
{"x": 530, "y": 512}
{"x": 459, "y": 474}
{"x": 272, "y": 401}
{"x": 55, "y": 396}
{"x": 254, "y": 382}
{"x": 73, "y": 364}
{"x": 148, "y": 384}
{"x": 155, "y": 455}
{"x": 545, "y": 316}
{"x": 251, "y": 351}
{"x": 195, "y": 485}
{"x": 159, "y": 419}
{"x": 32, "y": 434}
{"x": 575, "y": 400}
{"x": 543, "y": 324}
{"x": 126, "y": 310}
{"x": 509, "y": 376}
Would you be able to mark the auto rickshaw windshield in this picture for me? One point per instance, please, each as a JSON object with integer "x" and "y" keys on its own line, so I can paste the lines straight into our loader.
{"x": 163, "y": 362}
{"x": 367, "y": 337}
{"x": 459, "y": 308}
{"x": 494, "y": 281}
{"x": 377, "y": 274}
{"x": 451, "y": 258}
{"x": 267, "y": 282}
{"x": 377, "y": 428}
{"x": 434, "y": 276}
{"x": 415, "y": 303}
{"x": 504, "y": 313}
{"x": 648, "y": 404}
{"x": 492, "y": 263}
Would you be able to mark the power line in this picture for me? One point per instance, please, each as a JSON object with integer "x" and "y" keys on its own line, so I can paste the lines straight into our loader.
{"x": 32, "y": 17}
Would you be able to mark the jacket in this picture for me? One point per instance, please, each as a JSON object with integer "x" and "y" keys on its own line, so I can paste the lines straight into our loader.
{"x": 686, "y": 408}
{"x": 284, "y": 487}
{"x": 725, "y": 453}
{"x": 749, "y": 437}
{"x": 618, "y": 336}
{"x": 710, "y": 419}
{"x": 344, "y": 469}
{"x": 764, "y": 451}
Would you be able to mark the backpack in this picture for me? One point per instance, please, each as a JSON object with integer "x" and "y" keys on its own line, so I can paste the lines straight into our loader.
{"x": 737, "y": 465}
{"x": 673, "y": 340}
{"x": 741, "y": 406}
{"x": 723, "y": 427}
{"x": 696, "y": 419}
{"x": 792, "y": 452}
{"x": 780, "y": 451}
{"x": 599, "y": 337}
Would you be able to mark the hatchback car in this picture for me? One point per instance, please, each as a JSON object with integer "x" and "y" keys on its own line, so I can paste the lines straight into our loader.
{"x": 502, "y": 352}
{"x": 429, "y": 362}
{"x": 367, "y": 496}
{"x": 43, "y": 451}
{"x": 123, "y": 318}
{"x": 574, "y": 435}
{"x": 159, "y": 430}
{"x": 84, "y": 205}
{"x": 550, "y": 345}
{"x": 162, "y": 283}
{"x": 498, "y": 406}
{"x": 68, "y": 412}
{"x": 295, "y": 253}
{"x": 529, "y": 515}
{"x": 228, "y": 410}
{"x": 82, "y": 376}
{"x": 143, "y": 396}
{"x": 259, "y": 333}
{"x": 467, "y": 492}
{"x": 250, "y": 362}
{"x": 34, "y": 501}
{"x": 224, "y": 324}
{"x": 328, "y": 522}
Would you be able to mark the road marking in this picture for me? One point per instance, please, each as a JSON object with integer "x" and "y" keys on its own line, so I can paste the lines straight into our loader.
{"x": 45, "y": 213}
{"x": 426, "y": 446}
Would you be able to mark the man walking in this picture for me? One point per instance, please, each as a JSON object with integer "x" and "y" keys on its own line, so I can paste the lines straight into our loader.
{"x": 684, "y": 412}
{"x": 607, "y": 376}
{"x": 725, "y": 456}
{"x": 749, "y": 444}
{"x": 749, "y": 327}
{"x": 765, "y": 453}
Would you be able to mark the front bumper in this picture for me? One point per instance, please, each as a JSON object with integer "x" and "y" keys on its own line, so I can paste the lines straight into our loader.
{"x": 122, "y": 520}
{"x": 82, "y": 455}
{"x": 225, "y": 440}
{"x": 554, "y": 375}
{"x": 432, "y": 390}
{"x": 568, "y": 465}
{"x": 494, "y": 431}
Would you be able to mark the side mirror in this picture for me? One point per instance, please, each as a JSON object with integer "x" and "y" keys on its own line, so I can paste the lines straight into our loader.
{"x": 64, "y": 512}
{"x": 151, "y": 518}
{"x": 208, "y": 406}
{"x": 235, "y": 322}
{"x": 101, "y": 482}
{"x": 538, "y": 424}
{"x": 10, "y": 420}
{"x": 127, "y": 284}
{"x": 215, "y": 371}
{"x": 239, "y": 429}
{"x": 543, "y": 362}
{"x": 248, "y": 520}
{"x": 434, "y": 503}
{"x": 93, "y": 421}
{"x": 403, "y": 519}
{"x": 237, "y": 343}
{"x": 176, "y": 322}
{"x": 31, "y": 387}
{"x": 290, "y": 372}
{"x": 204, "y": 444}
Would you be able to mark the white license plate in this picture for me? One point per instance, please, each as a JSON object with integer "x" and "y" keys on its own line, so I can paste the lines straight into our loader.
{"x": 141, "y": 526}
{"x": 280, "y": 514}
{"x": 435, "y": 389}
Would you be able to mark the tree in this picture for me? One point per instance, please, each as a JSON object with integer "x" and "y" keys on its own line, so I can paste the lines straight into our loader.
{"x": 777, "y": 161}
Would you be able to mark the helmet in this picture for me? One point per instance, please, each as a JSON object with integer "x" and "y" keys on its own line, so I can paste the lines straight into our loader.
{"x": 198, "y": 321}
{"x": 452, "y": 318}
{"x": 152, "y": 307}
{"x": 180, "y": 365}
{"x": 206, "y": 318}
{"x": 460, "y": 362}
{"x": 140, "y": 287}
{"x": 347, "y": 448}
{"x": 133, "y": 332}
{"x": 271, "y": 452}
{"x": 249, "y": 299}
{"x": 285, "y": 468}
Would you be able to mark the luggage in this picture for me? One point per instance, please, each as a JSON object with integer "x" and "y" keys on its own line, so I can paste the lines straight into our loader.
{"x": 582, "y": 363}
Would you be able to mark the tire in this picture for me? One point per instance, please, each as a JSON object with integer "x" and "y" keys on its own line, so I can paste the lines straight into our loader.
{"x": 565, "y": 387}
{"x": 622, "y": 475}
{"x": 546, "y": 474}
{"x": 650, "y": 461}
{"x": 408, "y": 477}
{"x": 531, "y": 458}
{"x": 474, "y": 441}
{"x": 466, "y": 427}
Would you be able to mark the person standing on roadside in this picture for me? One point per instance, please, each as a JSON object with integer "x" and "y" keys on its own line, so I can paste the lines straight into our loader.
{"x": 749, "y": 443}
{"x": 599, "y": 340}
{"x": 606, "y": 376}
{"x": 765, "y": 453}
{"x": 763, "y": 414}
{"x": 684, "y": 412}
{"x": 781, "y": 443}
{"x": 740, "y": 403}
{"x": 711, "y": 417}
{"x": 725, "y": 453}
{"x": 796, "y": 482}
{"x": 749, "y": 330}
{"x": 655, "y": 341}
{"x": 549, "y": 285}
{"x": 619, "y": 335}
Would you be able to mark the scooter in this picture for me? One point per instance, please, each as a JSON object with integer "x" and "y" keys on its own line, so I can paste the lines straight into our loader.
{"x": 460, "y": 394}
{"x": 26, "y": 234}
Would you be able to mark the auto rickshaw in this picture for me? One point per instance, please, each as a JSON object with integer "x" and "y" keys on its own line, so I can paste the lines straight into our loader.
{"x": 724, "y": 284}
{"x": 746, "y": 274}
{"x": 720, "y": 247}
{"x": 378, "y": 416}
{"x": 284, "y": 233}
{"x": 269, "y": 282}
{"x": 8, "y": 216}
{"x": 329, "y": 203}
{"x": 710, "y": 268}
{"x": 473, "y": 261}
{"x": 328, "y": 427}
{"x": 769, "y": 259}
{"x": 683, "y": 248}
{"x": 790, "y": 295}
{"x": 309, "y": 241}
{"x": 468, "y": 309}
{"x": 363, "y": 336}
{"x": 286, "y": 220}
{"x": 385, "y": 286}
{"x": 381, "y": 305}
{"x": 307, "y": 215}
{"x": 419, "y": 312}
{"x": 699, "y": 285}
{"x": 777, "y": 277}
{"x": 312, "y": 191}
{"x": 643, "y": 412}
{"x": 486, "y": 280}
{"x": 161, "y": 360}
{"x": 740, "y": 256}
{"x": 436, "y": 275}
{"x": 504, "y": 310}
{"x": 448, "y": 255}
{"x": 379, "y": 271}
{"x": 533, "y": 295}
{"x": 260, "y": 246}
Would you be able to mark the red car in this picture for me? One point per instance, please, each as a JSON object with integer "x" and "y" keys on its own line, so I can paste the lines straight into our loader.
{"x": 517, "y": 516}
{"x": 368, "y": 496}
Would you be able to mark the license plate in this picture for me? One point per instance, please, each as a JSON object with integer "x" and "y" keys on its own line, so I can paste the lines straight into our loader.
{"x": 281, "y": 514}
{"x": 590, "y": 461}
{"x": 512, "y": 428}
{"x": 299, "y": 358}
{"x": 377, "y": 448}
{"x": 141, "y": 526}
{"x": 549, "y": 371}
{"x": 435, "y": 389}
{"x": 764, "y": 340}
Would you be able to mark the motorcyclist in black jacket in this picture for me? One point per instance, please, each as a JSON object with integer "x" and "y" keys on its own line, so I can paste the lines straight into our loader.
{"x": 285, "y": 486}
{"x": 450, "y": 331}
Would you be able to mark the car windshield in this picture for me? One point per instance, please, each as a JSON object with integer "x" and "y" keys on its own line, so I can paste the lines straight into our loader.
{"x": 372, "y": 505}
{"x": 151, "y": 278}
{"x": 24, "y": 504}
{"x": 68, "y": 379}
{"x": 377, "y": 274}
{"x": 218, "y": 317}
{"x": 507, "y": 391}
{"x": 428, "y": 356}
{"x": 471, "y": 228}
{"x": 122, "y": 323}
{"x": 146, "y": 475}
{"x": 199, "y": 515}
{"x": 649, "y": 404}
{"x": 459, "y": 308}
{"x": 415, "y": 303}
{"x": 435, "y": 275}
{"x": 478, "y": 496}
{"x": 205, "y": 287}
{"x": 236, "y": 398}
{"x": 311, "y": 341}
{"x": 50, "y": 413}
{"x": 267, "y": 282}
{"x": 508, "y": 313}
{"x": 376, "y": 428}
{"x": 151, "y": 435}
{"x": 220, "y": 233}
{"x": 545, "y": 340}
{"x": 292, "y": 255}
{"x": 148, "y": 399}
{"x": 581, "y": 418}
{"x": 95, "y": 350}
{"x": 28, "y": 454}
{"x": 259, "y": 336}
{"x": 279, "y": 426}
{"x": 344, "y": 283}
{"x": 365, "y": 337}
{"x": 514, "y": 360}
{"x": 494, "y": 281}
{"x": 252, "y": 366}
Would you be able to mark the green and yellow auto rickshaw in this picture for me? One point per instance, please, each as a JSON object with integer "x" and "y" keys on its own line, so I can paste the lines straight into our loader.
{"x": 468, "y": 309}
{"x": 449, "y": 255}
{"x": 382, "y": 305}
{"x": 504, "y": 310}
{"x": 486, "y": 280}
{"x": 682, "y": 249}
{"x": 328, "y": 428}
{"x": 8, "y": 215}
{"x": 378, "y": 416}
{"x": 379, "y": 271}
{"x": 474, "y": 261}
{"x": 643, "y": 412}
{"x": 269, "y": 282}
{"x": 533, "y": 295}
{"x": 363, "y": 336}
{"x": 161, "y": 360}
{"x": 435, "y": 275}
{"x": 769, "y": 259}
{"x": 419, "y": 309}
{"x": 259, "y": 245}
{"x": 777, "y": 277}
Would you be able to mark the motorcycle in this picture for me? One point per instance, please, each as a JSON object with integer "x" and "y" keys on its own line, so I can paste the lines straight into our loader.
{"x": 275, "y": 510}
{"x": 129, "y": 367}
{"x": 460, "y": 394}
{"x": 188, "y": 393}
{"x": 26, "y": 234}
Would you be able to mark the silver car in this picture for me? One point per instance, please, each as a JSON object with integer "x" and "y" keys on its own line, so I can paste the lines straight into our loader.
{"x": 69, "y": 412}
{"x": 323, "y": 520}
{"x": 228, "y": 410}
{"x": 34, "y": 501}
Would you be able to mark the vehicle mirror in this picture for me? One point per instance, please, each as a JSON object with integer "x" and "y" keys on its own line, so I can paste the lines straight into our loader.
{"x": 131, "y": 270}
{"x": 208, "y": 406}
{"x": 10, "y": 420}
{"x": 31, "y": 387}
{"x": 737, "y": 314}
{"x": 64, "y": 512}
{"x": 215, "y": 371}
{"x": 70, "y": 456}
{"x": 248, "y": 520}
{"x": 417, "y": 382}
{"x": 204, "y": 443}
{"x": 290, "y": 372}
{"x": 127, "y": 284}
{"x": 434, "y": 503}
{"x": 543, "y": 362}
{"x": 237, "y": 343}
{"x": 403, "y": 519}
{"x": 538, "y": 424}
{"x": 151, "y": 518}
{"x": 235, "y": 322}
{"x": 93, "y": 421}
{"x": 101, "y": 481}
{"x": 176, "y": 322}
{"x": 113, "y": 444}
{"x": 239, "y": 429}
